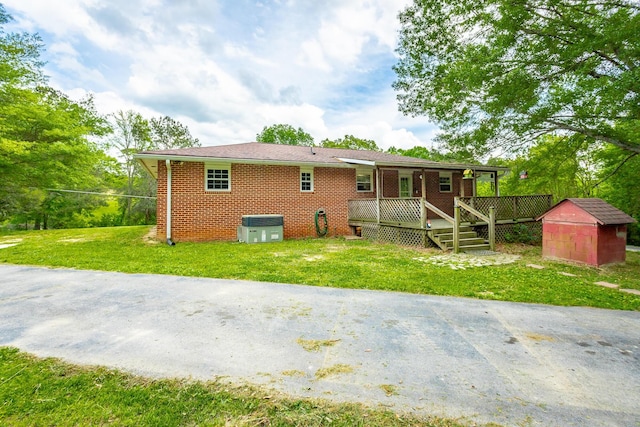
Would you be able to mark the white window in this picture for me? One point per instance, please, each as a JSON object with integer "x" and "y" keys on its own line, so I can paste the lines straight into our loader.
{"x": 364, "y": 180}
{"x": 217, "y": 177}
{"x": 445, "y": 182}
{"x": 306, "y": 180}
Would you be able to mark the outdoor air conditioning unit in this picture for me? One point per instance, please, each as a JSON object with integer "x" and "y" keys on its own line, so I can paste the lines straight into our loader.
{"x": 261, "y": 228}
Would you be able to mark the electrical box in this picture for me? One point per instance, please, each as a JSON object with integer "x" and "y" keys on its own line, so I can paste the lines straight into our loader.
{"x": 261, "y": 228}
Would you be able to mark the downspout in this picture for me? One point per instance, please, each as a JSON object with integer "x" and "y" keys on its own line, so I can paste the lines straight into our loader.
{"x": 169, "y": 241}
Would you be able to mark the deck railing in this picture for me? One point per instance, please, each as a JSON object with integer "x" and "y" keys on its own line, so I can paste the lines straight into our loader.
{"x": 509, "y": 207}
{"x": 408, "y": 211}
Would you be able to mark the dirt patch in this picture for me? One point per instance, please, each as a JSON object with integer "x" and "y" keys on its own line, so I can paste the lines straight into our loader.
{"x": 463, "y": 261}
{"x": 78, "y": 240}
{"x": 151, "y": 238}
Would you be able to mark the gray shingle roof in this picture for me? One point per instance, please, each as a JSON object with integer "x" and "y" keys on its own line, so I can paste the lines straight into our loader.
{"x": 256, "y": 151}
{"x": 602, "y": 211}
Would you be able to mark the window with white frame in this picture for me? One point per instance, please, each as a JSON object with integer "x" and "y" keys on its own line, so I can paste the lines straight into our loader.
{"x": 306, "y": 180}
{"x": 364, "y": 180}
{"x": 217, "y": 177}
{"x": 445, "y": 182}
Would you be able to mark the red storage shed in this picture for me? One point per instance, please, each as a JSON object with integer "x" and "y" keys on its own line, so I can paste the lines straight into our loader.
{"x": 590, "y": 231}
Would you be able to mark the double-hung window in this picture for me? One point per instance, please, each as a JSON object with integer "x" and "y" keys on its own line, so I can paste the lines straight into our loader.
{"x": 445, "y": 182}
{"x": 364, "y": 180}
{"x": 217, "y": 177}
{"x": 306, "y": 180}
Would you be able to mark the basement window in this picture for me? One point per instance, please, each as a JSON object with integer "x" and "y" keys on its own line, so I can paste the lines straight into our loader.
{"x": 217, "y": 177}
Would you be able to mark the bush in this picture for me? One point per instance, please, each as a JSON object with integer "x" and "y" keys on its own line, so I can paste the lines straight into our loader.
{"x": 520, "y": 233}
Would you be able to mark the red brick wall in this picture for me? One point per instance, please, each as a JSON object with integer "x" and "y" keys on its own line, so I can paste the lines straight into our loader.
{"x": 199, "y": 215}
{"x": 612, "y": 244}
{"x": 586, "y": 243}
{"x": 444, "y": 201}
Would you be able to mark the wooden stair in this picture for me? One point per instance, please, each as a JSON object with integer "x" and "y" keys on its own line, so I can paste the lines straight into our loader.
{"x": 469, "y": 240}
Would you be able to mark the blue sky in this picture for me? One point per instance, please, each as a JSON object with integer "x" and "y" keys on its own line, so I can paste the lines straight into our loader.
{"x": 228, "y": 68}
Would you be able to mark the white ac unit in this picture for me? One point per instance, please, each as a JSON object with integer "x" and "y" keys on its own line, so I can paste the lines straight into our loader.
{"x": 261, "y": 228}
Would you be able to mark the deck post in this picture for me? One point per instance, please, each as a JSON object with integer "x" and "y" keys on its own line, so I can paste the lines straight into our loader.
{"x": 378, "y": 189}
{"x": 456, "y": 229}
{"x": 492, "y": 228}
{"x": 423, "y": 207}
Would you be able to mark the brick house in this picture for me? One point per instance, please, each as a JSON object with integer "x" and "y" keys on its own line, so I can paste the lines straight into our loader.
{"x": 209, "y": 189}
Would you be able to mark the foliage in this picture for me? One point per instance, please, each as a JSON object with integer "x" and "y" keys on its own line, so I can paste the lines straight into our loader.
{"x": 435, "y": 155}
{"x": 284, "y": 134}
{"x": 561, "y": 166}
{"x": 501, "y": 73}
{"x": 350, "y": 142}
{"x": 520, "y": 233}
{"x": 167, "y": 133}
{"x": 620, "y": 184}
{"x": 329, "y": 262}
{"x": 51, "y": 392}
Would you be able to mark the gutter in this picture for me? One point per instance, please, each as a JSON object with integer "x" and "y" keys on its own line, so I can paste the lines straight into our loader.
{"x": 169, "y": 241}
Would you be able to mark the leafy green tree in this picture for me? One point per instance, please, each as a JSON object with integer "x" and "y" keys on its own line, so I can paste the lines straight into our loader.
{"x": 166, "y": 133}
{"x": 435, "y": 155}
{"x": 619, "y": 184}
{"x": 44, "y": 135}
{"x": 131, "y": 134}
{"x": 284, "y": 134}
{"x": 350, "y": 142}
{"x": 501, "y": 73}
{"x": 563, "y": 167}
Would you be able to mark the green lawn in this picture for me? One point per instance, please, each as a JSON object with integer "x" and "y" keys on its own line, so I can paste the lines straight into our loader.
{"x": 332, "y": 262}
{"x": 48, "y": 392}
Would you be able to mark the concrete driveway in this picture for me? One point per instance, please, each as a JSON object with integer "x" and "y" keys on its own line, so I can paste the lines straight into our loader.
{"x": 482, "y": 361}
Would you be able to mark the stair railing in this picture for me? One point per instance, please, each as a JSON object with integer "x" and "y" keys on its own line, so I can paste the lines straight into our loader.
{"x": 490, "y": 220}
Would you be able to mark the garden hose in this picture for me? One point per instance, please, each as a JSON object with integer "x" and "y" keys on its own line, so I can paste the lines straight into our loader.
{"x": 321, "y": 216}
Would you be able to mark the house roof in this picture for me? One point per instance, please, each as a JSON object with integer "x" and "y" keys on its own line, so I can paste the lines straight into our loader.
{"x": 603, "y": 212}
{"x": 261, "y": 153}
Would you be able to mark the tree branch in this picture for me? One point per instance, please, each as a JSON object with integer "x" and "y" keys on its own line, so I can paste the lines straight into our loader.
{"x": 629, "y": 157}
{"x": 598, "y": 136}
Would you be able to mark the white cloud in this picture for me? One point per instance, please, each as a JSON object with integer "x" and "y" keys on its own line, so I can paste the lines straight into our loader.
{"x": 225, "y": 70}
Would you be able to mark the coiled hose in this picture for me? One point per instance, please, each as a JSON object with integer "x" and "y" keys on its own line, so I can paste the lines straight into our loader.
{"x": 321, "y": 217}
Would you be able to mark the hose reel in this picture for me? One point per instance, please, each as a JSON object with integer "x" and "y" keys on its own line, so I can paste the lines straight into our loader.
{"x": 322, "y": 226}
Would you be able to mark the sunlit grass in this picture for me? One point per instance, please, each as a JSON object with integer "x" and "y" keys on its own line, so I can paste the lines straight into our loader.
{"x": 48, "y": 392}
{"x": 341, "y": 263}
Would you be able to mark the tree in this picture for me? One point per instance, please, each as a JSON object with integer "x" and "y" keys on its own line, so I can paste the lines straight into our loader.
{"x": 169, "y": 133}
{"x": 619, "y": 184}
{"x": 501, "y": 73}
{"x": 284, "y": 134}
{"x": 350, "y": 142}
{"x": 561, "y": 166}
{"x": 434, "y": 155}
{"x": 131, "y": 134}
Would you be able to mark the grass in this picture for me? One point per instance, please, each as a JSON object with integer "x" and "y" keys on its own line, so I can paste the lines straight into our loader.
{"x": 329, "y": 262}
{"x": 49, "y": 392}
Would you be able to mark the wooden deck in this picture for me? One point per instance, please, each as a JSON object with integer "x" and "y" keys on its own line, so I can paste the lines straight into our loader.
{"x": 412, "y": 221}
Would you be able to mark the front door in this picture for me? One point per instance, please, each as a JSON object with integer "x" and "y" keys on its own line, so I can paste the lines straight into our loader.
{"x": 406, "y": 185}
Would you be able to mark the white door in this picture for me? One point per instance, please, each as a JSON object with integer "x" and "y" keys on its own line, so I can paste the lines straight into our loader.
{"x": 406, "y": 185}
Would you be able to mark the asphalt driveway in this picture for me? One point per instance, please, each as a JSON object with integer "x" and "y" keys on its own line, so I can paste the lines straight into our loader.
{"x": 514, "y": 364}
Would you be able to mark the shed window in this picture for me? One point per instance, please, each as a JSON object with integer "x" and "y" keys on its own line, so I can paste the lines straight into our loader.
{"x": 445, "y": 182}
{"x": 364, "y": 178}
{"x": 306, "y": 180}
{"x": 218, "y": 177}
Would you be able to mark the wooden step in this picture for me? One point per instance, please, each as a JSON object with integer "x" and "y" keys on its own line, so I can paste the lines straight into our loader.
{"x": 465, "y": 242}
{"x": 484, "y": 246}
